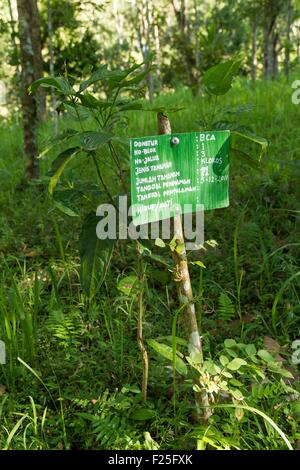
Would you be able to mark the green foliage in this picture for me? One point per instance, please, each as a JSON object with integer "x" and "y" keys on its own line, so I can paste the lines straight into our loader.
{"x": 67, "y": 375}
{"x": 226, "y": 309}
{"x": 95, "y": 255}
{"x": 218, "y": 79}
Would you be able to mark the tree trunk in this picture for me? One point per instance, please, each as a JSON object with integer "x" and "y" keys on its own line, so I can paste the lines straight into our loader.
{"x": 288, "y": 39}
{"x": 32, "y": 104}
{"x": 254, "y": 49}
{"x": 271, "y": 11}
{"x": 184, "y": 42}
{"x": 51, "y": 64}
{"x": 184, "y": 286}
{"x": 13, "y": 35}
{"x": 144, "y": 13}
{"x": 197, "y": 48}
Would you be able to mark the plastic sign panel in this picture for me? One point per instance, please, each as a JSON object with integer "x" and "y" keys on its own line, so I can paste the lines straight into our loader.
{"x": 177, "y": 172}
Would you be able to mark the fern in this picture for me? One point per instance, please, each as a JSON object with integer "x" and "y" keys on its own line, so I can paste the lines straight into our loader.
{"x": 226, "y": 310}
{"x": 64, "y": 327}
{"x": 268, "y": 391}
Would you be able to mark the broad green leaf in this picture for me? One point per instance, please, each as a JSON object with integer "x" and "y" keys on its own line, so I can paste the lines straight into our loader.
{"x": 224, "y": 360}
{"x": 93, "y": 140}
{"x": 218, "y": 79}
{"x": 113, "y": 77}
{"x": 249, "y": 136}
{"x": 250, "y": 349}
{"x": 226, "y": 374}
{"x": 60, "y": 159}
{"x": 199, "y": 263}
{"x": 59, "y": 83}
{"x": 245, "y": 158}
{"x": 90, "y": 101}
{"x": 130, "y": 106}
{"x": 229, "y": 343}
{"x": 159, "y": 242}
{"x": 265, "y": 355}
{"x": 167, "y": 352}
{"x": 236, "y": 363}
{"x": 127, "y": 285}
{"x": 59, "y": 165}
{"x": 237, "y": 394}
{"x": 95, "y": 255}
{"x": 212, "y": 368}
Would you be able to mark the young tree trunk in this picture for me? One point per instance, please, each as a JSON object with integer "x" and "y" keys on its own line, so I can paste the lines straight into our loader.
{"x": 184, "y": 43}
{"x": 271, "y": 11}
{"x": 13, "y": 35}
{"x": 144, "y": 30}
{"x": 184, "y": 286}
{"x": 32, "y": 104}
{"x": 197, "y": 48}
{"x": 51, "y": 64}
{"x": 254, "y": 49}
{"x": 288, "y": 38}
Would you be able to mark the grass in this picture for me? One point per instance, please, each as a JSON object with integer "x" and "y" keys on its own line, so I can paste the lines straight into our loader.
{"x": 79, "y": 371}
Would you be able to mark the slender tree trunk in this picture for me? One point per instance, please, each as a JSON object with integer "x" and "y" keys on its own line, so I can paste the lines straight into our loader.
{"x": 26, "y": 12}
{"x": 288, "y": 39}
{"x": 197, "y": 48}
{"x": 254, "y": 49}
{"x": 184, "y": 286}
{"x": 184, "y": 43}
{"x": 13, "y": 35}
{"x": 270, "y": 12}
{"x": 51, "y": 64}
{"x": 275, "y": 56}
{"x": 144, "y": 12}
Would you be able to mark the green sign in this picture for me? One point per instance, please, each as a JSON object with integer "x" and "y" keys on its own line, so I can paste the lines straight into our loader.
{"x": 178, "y": 172}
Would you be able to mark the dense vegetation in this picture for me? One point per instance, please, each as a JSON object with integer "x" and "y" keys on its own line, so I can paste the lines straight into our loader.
{"x": 72, "y": 378}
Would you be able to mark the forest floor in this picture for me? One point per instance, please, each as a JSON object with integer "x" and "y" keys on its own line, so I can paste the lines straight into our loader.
{"x": 76, "y": 384}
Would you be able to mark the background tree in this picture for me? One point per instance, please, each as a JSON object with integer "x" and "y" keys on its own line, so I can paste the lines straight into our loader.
{"x": 33, "y": 106}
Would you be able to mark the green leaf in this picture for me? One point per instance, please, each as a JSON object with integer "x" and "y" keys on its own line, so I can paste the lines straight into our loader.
{"x": 59, "y": 83}
{"x": 127, "y": 285}
{"x": 159, "y": 242}
{"x": 59, "y": 165}
{"x": 212, "y": 368}
{"x": 245, "y": 158}
{"x": 142, "y": 414}
{"x": 94, "y": 140}
{"x": 229, "y": 343}
{"x": 130, "y": 106}
{"x": 237, "y": 394}
{"x": 224, "y": 360}
{"x": 218, "y": 79}
{"x": 65, "y": 209}
{"x": 95, "y": 255}
{"x": 265, "y": 355}
{"x": 236, "y": 363}
{"x": 250, "y": 136}
{"x": 167, "y": 352}
{"x": 113, "y": 77}
{"x": 199, "y": 263}
{"x": 250, "y": 349}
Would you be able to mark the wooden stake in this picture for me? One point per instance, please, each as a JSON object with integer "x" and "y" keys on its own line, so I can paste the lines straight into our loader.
{"x": 184, "y": 287}
{"x": 140, "y": 336}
